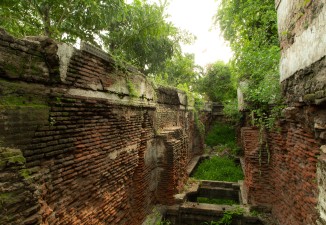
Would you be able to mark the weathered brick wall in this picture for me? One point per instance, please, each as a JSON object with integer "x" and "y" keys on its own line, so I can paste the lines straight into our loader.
{"x": 303, "y": 67}
{"x": 256, "y": 168}
{"x": 82, "y": 142}
{"x": 281, "y": 176}
{"x": 293, "y": 161}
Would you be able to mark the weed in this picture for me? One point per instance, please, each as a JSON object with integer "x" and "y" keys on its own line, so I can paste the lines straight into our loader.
{"x": 163, "y": 222}
{"x": 199, "y": 124}
{"x": 131, "y": 88}
{"x": 222, "y": 134}
{"x": 255, "y": 213}
{"x": 219, "y": 168}
{"x": 216, "y": 201}
{"x": 227, "y": 217}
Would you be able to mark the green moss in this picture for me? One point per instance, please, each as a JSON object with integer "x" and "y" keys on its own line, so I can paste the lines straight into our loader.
{"x": 21, "y": 101}
{"x": 309, "y": 97}
{"x": 13, "y": 70}
{"x": 11, "y": 156}
{"x": 3, "y": 164}
{"x": 306, "y": 2}
{"x": 131, "y": 88}
{"x": 25, "y": 173}
{"x": 18, "y": 159}
{"x": 7, "y": 198}
{"x": 216, "y": 201}
{"x": 21, "y": 94}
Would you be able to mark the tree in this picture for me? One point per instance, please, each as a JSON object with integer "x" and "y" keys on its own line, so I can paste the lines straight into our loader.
{"x": 180, "y": 70}
{"x": 251, "y": 28}
{"x": 216, "y": 83}
{"x": 144, "y": 37}
{"x": 61, "y": 20}
{"x": 136, "y": 32}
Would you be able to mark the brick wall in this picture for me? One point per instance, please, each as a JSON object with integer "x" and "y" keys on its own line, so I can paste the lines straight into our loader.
{"x": 293, "y": 164}
{"x": 256, "y": 168}
{"x": 82, "y": 142}
{"x": 287, "y": 175}
{"x": 281, "y": 176}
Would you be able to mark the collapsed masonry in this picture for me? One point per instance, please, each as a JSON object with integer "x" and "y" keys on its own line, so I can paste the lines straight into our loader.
{"x": 287, "y": 174}
{"x": 84, "y": 142}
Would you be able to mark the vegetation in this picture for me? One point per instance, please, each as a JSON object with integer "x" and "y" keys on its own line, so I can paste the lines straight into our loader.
{"x": 138, "y": 32}
{"x": 62, "y": 20}
{"x": 144, "y": 37}
{"x": 231, "y": 111}
{"x": 222, "y": 135}
{"x": 228, "y": 217}
{"x": 216, "y": 201}
{"x": 164, "y": 222}
{"x": 220, "y": 169}
{"x": 180, "y": 70}
{"x": 216, "y": 83}
{"x": 250, "y": 27}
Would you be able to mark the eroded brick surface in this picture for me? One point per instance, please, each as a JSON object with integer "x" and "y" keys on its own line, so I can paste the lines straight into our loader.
{"x": 98, "y": 145}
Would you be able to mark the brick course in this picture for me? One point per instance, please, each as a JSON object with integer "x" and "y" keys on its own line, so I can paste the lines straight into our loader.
{"x": 94, "y": 152}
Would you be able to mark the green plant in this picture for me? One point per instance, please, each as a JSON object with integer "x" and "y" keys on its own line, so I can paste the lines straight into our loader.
{"x": 216, "y": 201}
{"x": 231, "y": 110}
{"x": 228, "y": 216}
{"x": 219, "y": 168}
{"x": 199, "y": 124}
{"x": 255, "y": 213}
{"x": 163, "y": 222}
{"x": 216, "y": 82}
{"x": 25, "y": 173}
{"x": 222, "y": 135}
{"x": 131, "y": 88}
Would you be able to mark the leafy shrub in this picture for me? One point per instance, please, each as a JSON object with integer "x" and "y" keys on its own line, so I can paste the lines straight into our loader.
{"x": 231, "y": 111}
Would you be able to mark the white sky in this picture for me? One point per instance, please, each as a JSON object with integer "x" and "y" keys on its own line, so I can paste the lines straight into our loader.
{"x": 196, "y": 17}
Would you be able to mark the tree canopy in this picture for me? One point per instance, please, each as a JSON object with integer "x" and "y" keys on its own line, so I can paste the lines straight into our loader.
{"x": 61, "y": 20}
{"x": 180, "y": 70}
{"x": 251, "y": 28}
{"x": 138, "y": 32}
{"x": 144, "y": 36}
{"x": 216, "y": 83}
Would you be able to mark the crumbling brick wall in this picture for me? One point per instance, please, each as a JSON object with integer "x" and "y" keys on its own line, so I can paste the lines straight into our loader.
{"x": 291, "y": 183}
{"x": 84, "y": 142}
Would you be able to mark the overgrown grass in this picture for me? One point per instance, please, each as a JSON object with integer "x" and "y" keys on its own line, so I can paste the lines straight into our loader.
{"x": 222, "y": 135}
{"x": 216, "y": 201}
{"x": 220, "y": 169}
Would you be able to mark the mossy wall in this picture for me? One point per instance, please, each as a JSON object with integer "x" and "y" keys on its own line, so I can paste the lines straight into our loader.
{"x": 83, "y": 141}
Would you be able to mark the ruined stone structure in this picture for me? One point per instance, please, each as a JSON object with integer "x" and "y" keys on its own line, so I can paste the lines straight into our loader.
{"x": 285, "y": 170}
{"x": 84, "y": 141}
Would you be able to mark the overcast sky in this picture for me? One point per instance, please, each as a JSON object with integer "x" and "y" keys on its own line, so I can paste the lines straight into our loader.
{"x": 196, "y": 17}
